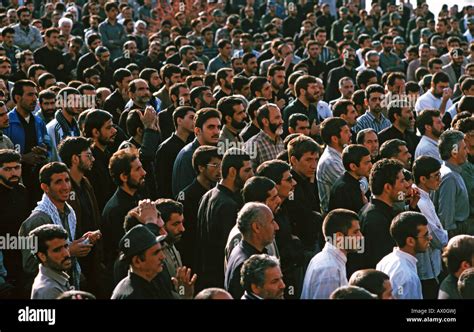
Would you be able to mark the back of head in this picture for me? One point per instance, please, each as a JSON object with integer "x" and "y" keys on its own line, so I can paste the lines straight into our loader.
{"x": 351, "y": 293}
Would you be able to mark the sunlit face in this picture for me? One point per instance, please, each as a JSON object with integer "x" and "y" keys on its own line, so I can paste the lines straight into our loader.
{"x": 371, "y": 142}
{"x": 306, "y": 165}
{"x": 57, "y": 256}
{"x": 273, "y": 288}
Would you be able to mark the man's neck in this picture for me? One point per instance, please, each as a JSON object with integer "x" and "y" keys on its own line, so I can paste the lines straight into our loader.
{"x": 430, "y": 135}
{"x": 229, "y": 184}
{"x": 224, "y": 58}
{"x": 58, "y": 204}
{"x": 203, "y": 181}
{"x": 182, "y": 134}
{"x": 69, "y": 118}
{"x": 423, "y": 187}
{"x": 378, "y": 116}
{"x": 410, "y": 251}
{"x": 231, "y": 129}
{"x": 128, "y": 190}
{"x": 50, "y": 47}
{"x": 399, "y": 128}
{"x": 338, "y": 148}
{"x": 384, "y": 198}
{"x": 272, "y": 135}
{"x": 254, "y": 243}
{"x": 355, "y": 176}
{"x": 138, "y": 139}
{"x": 24, "y": 114}
{"x": 141, "y": 274}
{"x": 98, "y": 145}
{"x": 226, "y": 91}
{"x": 76, "y": 175}
{"x": 112, "y": 21}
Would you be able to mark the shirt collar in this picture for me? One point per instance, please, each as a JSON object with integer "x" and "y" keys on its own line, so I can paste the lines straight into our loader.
{"x": 333, "y": 251}
{"x": 405, "y": 256}
{"x": 333, "y": 151}
{"x": 454, "y": 168}
{"x": 430, "y": 140}
{"x": 60, "y": 277}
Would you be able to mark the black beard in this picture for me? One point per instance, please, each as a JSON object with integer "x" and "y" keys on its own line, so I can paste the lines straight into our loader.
{"x": 238, "y": 125}
{"x": 135, "y": 185}
{"x": 274, "y": 127}
{"x": 9, "y": 183}
{"x": 470, "y": 158}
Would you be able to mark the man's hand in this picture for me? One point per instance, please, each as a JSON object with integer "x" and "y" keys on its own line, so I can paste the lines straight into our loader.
{"x": 148, "y": 117}
{"x": 147, "y": 212}
{"x": 447, "y": 93}
{"x": 281, "y": 103}
{"x": 184, "y": 283}
{"x": 78, "y": 249}
{"x": 414, "y": 197}
{"x": 93, "y": 236}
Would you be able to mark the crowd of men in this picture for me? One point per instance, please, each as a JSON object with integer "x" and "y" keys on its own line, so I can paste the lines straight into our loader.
{"x": 242, "y": 149}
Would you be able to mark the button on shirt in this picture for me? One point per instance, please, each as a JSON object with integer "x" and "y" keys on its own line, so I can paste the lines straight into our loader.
{"x": 330, "y": 168}
{"x": 368, "y": 120}
{"x": 326, "y": 272}
{"x": 429, "y": 101}
{"x": 427, "y": 147}
{"x": 451, "y": 199}
{"x": 429, "y": 262}
{"x": 401, "y": 268}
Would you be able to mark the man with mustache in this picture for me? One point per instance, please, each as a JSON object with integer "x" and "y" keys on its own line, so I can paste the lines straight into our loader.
{"x": 5, "y": 142}
{"x": 234, "y": 116}
{"x": 180, "y": 96}
{"x": 12, "y": 193}
{"x": 128, "y": 174}
{"x": 140, "y": 98}
{"x": 267, "y": 144}
{"x": 55, "y": 259}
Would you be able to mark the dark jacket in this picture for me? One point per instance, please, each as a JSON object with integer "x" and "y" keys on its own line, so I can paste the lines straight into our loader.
{"x": 135, "y": 287}
{"x": 346, "y": 194}
{"x": 100, "y": 178}
{"x": 392, "y": 133}
{"x": 115, "y": 104}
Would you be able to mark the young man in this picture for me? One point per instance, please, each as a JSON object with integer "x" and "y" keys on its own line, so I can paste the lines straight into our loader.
{"x": 410, "y": 232}
{"x": 431, "y": 127}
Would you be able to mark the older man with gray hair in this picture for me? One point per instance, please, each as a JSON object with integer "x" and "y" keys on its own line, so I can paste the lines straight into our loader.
{"x": 262, "y": 279}
{"x": 452, "y": 200}
{"x": 257, "y": 225}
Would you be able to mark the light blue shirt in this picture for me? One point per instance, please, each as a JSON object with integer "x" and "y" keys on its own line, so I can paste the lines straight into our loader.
{"x": 401, "y": 268}
{"x": 368, "y": 120}
{"x": 326, "y": 272}
{"x": 427, "y": 147}
{"x": 330, "y": 168}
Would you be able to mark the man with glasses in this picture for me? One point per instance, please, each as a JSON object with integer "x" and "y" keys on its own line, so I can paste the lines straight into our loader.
{"x": 14, "y": 208}
{"x": 410, "y": 232}
{"x": 427, "y": 178}
{"x": 76, "y": 154}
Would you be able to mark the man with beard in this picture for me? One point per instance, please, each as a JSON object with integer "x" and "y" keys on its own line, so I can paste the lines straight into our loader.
{"x": 455, "y": 68}
{"x": 54, "y": 209}
{"x": 257, "y": 225}
{"x": 241, "y": 86}
{"x": 12, "y": 194}
{"x": 49, "y": 56}
{"x": 76, "y": 153}
{"x": 438, "y": 97}
{"x": 130, "y": 55}
{"x": 262, "y": 278}
{"x": 224, "y": 78}
{"x": 140, "y": 96}
{"x": 128, "y": 174}
{"x": 276, "y": 76}
{"x": 315, "y": 67}
{"x": 55, "y": 259}
{"x": 389, "y": 61}
{"x": 401, "y": 116}
{"x": 345, "y": 88}
{"x": 88, "y": 59}
{"x": 234, "y": 116}
{"x": 64, "y": 123}
{"x": 217, "y": 215}
{"x": 172, "y": 215}
{"x": 99, "y": 126}
{"x": 154, "y": 57}
{"x": 115, "y": 103}
{"x": 249, "y": 61}
{"x": 207, "y": 125}
{"x": 47, "y": 102}
{"x": 346, "y": 70}
{"x": 102, "y": 55}
{"x": 179, "y": 95}
{"x": 28, "y": 132}
{"x": 170, "y": 74}
{"x": 373, "y": 117}
{"x": 201, "y": 97}
{"x": 267, "y": 144}
{"x": 345, "y": 109}
{"x": 431, "y": 126}
{"x": 306, "y": 88}
{"x": 5, "y": 142}
{"x": 27, "y": 36}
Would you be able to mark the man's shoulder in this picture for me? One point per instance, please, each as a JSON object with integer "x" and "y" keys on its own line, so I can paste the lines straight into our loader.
{"x": 36, "y": 219}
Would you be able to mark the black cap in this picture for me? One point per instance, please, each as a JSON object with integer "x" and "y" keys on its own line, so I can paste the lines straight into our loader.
{"x": 138, "y": 239}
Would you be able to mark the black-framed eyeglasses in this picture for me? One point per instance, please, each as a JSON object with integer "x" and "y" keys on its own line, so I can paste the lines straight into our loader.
{"x": 214, "y": 165}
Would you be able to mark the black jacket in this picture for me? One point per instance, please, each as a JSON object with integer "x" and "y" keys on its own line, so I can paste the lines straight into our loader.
{"x": 346, "y": 194}
{"x": 135, "y": 287}
{"x": 115, "y": 104}
{"x": 100, "y": 178}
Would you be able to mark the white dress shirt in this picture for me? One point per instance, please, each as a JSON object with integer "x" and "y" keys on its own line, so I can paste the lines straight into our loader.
{"x": 429, "y": 101}
{"x": 401, "y": 268}
{"x": 326, "y": 272}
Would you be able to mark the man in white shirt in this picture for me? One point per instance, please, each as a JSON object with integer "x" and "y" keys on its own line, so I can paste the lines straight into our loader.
{"x": 431, "y": 126}
{"x": 428, "y": 178}
{"x": 438, "y": 97}
{"x": 410, "y": 232}
{"x": 336, "y": 135}
{"x": 327, "y": 270}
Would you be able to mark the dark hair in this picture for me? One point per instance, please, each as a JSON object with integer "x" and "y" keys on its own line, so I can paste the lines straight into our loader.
{"x": 373, "y": 88}
{"x": 254, "y": 105}
{"x": 294, "y": 118}
{"x": 353, "y": 154}
{"x": 233, "y": 158}
{"x": 180, "y": 112}
{"x": 95, "y": 119}
{"x": 341, "y": 106}
{"x": 169, "y": 70}
{"x": 466, "y": 284}
{"x": 467, "y": 84}
{"x": 426, "y": 118}
{"x": 465, "y": 125}
{"x": 351, "y": 293}
{"x": 358, "y": 97}
{"x": 47, "y": 171}
{"x": 167, "y": 207}
{"x": 18, "y": 87}
{"x": 133, "y": 122}
{"x": 395, "y": 107}
{"x": 205, "y": 114}
{"x": 273, "y": 68}
{"x": 239, "y": 82}
{"x": 273, "y": 169}
{"x": 338, "y": 220}
{"x": 253, "y": 270}
{"x": 298, "y": 146}
{"x": 110, "y": 5}
{"x": 440, "y": 77}
{"x": 331, "y": 127}
{"x": 92, "y": 38}
{"x": 412, "y": 86}
{"x": 89, "y": 72}
{"x": 33, "y": 69}
{"x": 303, "y": 82}
{"x": 120, "y": 74}
{"x": 48, "y": 32}
{"x": 256, "y": 84}
{"x": 7, "y": 30}
{"x": 221, "y": 74}
{"x": 247, "y": 56}
{"x": 76, "y": 294}
{"x": 46, "y": 233}
{"x": 9, "y": 156}
{"x": 256, "y": 189}
{"x": 203, "y": 155}
{"x": 198, "y": 92}
{"x": 384, "y": 171}
{"x": 459, "y": 249}
{"x": 21, "y": 10}
{"x": 466, "y": 104}
{"x": 120, "y": 163}
{"x": 222, "y": 43}
{"x": 226, "y": 106}
{"x": 405, "y": 225}
{"x": 391, "y": 148}
{"x": 71, "y": 146}
{"x": 425, "y": 166}
{"x": 370, "y": 279}
{"x": 364, "y": 77}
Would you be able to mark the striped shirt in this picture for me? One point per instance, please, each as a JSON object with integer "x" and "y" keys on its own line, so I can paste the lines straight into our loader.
{"x": 330, "y": 168}
{"x": 262, "y": 147}
{"x": 368, "y": 120}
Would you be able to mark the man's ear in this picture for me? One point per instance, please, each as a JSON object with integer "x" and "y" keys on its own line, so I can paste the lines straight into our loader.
{"x": 254, "y": 288}
{"x": 41, "y": 256}
{"x": 410, "y": 241}
{"x": 136, "y": 261}
{"x": 293, "y": 160}
{"x": 75, "y": 159}
{"x": 123, "y": 177}
{"x": 95, "y": 133}
{"x": 44, "y": 187}
{"x": 197, "y": 131}
{"x": 352, "y": 167}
